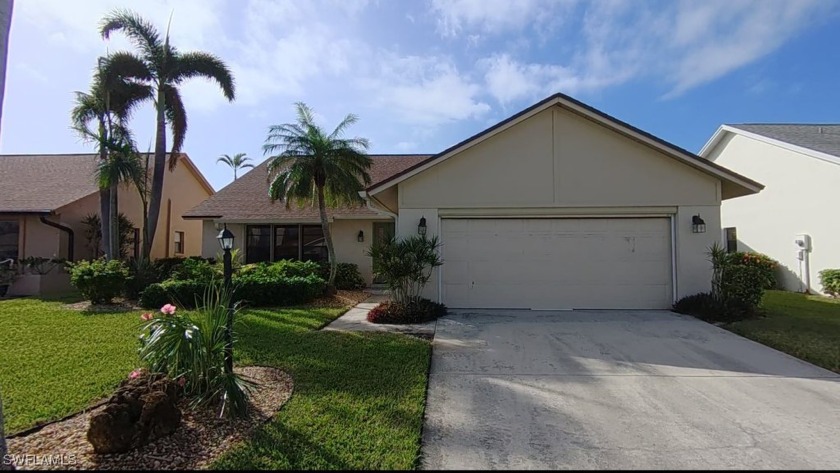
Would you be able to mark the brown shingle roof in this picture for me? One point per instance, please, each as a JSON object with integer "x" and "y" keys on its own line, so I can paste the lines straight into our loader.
{"x": 247, "y": 197}
{"x": 43, "y": 183}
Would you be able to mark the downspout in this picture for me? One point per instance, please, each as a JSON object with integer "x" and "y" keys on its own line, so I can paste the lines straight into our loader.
{"x": 71, "y": 239}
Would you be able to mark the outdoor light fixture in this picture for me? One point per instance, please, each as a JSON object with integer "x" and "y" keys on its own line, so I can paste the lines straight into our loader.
{"x": 361, "y": 236}
{"x": 225, "y": 238}
{"x": 421, "y": 228}
{"x": 697, "y": 224}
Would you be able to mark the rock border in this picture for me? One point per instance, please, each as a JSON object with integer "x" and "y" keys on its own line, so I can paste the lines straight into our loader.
{"x": 200, "y": 439}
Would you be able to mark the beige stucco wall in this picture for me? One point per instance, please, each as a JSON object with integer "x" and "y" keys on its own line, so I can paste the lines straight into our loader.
{"x": 799, "y": 191}
{"x": 556, "y": 162}
{"x": 345, "y": 238}
{"x": 180, "y": 187}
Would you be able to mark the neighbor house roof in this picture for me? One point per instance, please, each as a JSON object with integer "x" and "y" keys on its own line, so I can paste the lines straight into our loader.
{"x": 43, "y": 183}
{"x": 734, "y": 184}
{"x": 813, "y": 139}
{"x": 246, "y": 199}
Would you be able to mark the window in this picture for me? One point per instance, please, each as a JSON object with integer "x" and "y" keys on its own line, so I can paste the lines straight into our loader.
{"x": 731, "y": 236}
{"x": 286, "y": 242}
{"x": 276, "y": 242}
{"x": 257, "y": 243}
{"x": 9, "y": 231}
{"x": 179, "y": 243}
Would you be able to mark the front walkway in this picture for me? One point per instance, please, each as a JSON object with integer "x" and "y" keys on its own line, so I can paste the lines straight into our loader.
{"x": 621, "y": 390}
{"x": 355, "y": 320}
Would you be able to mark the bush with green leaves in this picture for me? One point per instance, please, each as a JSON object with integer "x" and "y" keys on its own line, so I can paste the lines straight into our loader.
{"x": 194, "y": 269}
{"x": 191, "y": 347}
{"x": 347, "y": 276}
{"x": 98, "y": 280}
{"x": 406, "y": 265}
{"x": 280, "y": 269}
{"x": 830, "y": 280}
{"x": 765, "y": 266}
{"x": 141, "y": 274}
{"x": 255, "y": 289}
{"x": 416, "y": 311}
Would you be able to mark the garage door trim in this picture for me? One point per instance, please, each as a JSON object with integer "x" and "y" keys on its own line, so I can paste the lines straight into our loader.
{"x": 670, "y": 216}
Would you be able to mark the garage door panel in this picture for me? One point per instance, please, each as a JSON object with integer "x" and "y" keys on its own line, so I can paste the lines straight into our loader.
{"x": 557, "y": 263}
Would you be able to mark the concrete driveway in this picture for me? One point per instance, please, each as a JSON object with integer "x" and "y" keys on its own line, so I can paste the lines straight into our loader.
{"x": 621, "y": 389}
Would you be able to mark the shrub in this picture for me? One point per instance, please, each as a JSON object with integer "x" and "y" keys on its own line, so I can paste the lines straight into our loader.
{"x": 191, "y": 347}
{"x": 257, "y": 290}
{"x": 347, "y": 276}
{"x": 99, "y": 280}
{"x": 141, "y": 274}
{"x": 195, "y": 269}
{"x": 742, "y": 287}
{"x": 416, "y": 311}
{"x": 165, "y": 266}
{"x": 703, "y": 306}
{"x": 764, "y": 266}
{"x": 406, "y": 265}
{"x": 830, "y": 280}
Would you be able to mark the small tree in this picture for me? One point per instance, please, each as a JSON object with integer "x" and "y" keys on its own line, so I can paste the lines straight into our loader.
{"x": 406, "y": 265}
{"x": 93, "y": 234}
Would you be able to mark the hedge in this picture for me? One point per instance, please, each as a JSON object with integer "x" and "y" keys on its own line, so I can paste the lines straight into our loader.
{"x": 255, "y": 291}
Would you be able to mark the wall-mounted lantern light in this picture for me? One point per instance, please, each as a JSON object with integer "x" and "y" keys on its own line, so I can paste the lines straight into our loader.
{"x": 361, "y": 236}
{"x": 697, "y": 224}
{"x": 421, "y": 228}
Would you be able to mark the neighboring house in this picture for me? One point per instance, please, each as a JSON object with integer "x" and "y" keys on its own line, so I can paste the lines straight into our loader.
{"x": 558, "y": 207}
{"x": 800, "y": 164}
{"x": 44, "y": 199}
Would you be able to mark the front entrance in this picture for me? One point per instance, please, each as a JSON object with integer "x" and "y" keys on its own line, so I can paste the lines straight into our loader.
{"x": 382, "y": 231}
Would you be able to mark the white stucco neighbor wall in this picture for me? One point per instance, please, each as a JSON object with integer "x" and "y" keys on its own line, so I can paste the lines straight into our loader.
{"x": 797, "y": 199}
{"x": 559, "y": 164}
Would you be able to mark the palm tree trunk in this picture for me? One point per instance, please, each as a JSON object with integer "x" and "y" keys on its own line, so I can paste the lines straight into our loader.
{"x": 104, "y": 197}
{"x": 157, "y": 175}
{"x": 325, "y": 226}
{"x": 115, "y": 222}
{"x": 5, "y": 25}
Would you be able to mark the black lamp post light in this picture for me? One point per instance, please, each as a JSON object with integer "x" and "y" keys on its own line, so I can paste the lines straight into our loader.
{"x": 226, "y": 242}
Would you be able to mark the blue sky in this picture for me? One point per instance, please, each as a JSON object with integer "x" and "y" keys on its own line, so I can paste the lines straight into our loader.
{"x": 423, "y": 75}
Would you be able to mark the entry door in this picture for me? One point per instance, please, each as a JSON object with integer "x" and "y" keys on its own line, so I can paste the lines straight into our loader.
{"x": 575, "y": 263}
{"x": 382, "y": 231}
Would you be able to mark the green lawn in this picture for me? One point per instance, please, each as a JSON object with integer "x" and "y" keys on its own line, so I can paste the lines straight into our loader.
{"x": 807, "y": 327}
{"x": 358, "y": 400}
{"x": 55, "y": 361}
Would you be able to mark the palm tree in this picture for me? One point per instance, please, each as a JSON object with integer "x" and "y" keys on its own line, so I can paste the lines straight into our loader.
{"x": 316, "y": 166}
{"x": 164, "y": 68}
{"x": 5, "y": 24}
{"x": 101, "y": 116}
{"x": 236, "y": 162}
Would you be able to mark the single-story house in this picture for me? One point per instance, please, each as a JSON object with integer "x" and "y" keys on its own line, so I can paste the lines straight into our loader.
{"x": 791, "y": 220}
{"x": 45, "y": 199}
{"x": 557, "y": 207}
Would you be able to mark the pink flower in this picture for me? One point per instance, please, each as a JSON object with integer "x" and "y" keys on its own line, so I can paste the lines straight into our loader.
{"x": 134, "y": 374}
{"x": 168, "y": 309}
{"x": 147, "y": 317}
{"x": 182, "y": 381}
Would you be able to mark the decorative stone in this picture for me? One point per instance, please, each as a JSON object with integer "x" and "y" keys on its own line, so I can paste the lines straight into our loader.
{"x": 141, "y": 410}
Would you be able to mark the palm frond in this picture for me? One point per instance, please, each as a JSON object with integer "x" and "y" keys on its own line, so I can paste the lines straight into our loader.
{"x": 176, "y": 115}
{"x": 201, "y": 64}
{"x": 139, "y": 31}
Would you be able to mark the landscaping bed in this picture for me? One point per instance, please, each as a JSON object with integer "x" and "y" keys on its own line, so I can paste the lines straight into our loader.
{"x": 201, "y": 437}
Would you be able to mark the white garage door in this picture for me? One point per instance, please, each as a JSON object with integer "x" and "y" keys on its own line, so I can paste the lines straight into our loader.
{"x": 574, "y": 263}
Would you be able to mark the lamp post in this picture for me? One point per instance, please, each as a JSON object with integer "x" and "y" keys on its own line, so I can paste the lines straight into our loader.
{"x": 226, "y": 241}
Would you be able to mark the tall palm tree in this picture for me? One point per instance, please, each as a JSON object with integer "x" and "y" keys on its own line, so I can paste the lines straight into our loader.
{"x": 5, "y": 26}
{"x": 164, "y": 68}
{"x": 312, "y": 166}
{"x": 236, "y": 162}
{"x": 101, "y": 116}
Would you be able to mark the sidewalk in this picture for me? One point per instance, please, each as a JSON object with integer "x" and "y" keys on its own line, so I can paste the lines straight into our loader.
{"x": 355, "y": 320}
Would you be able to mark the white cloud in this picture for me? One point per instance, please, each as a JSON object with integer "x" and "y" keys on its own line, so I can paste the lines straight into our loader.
{"x": 492, "y": 16}
{"x": 425, "y": 90}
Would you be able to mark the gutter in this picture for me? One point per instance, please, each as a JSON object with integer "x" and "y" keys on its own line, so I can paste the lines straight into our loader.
{"x": 71, "y": 238}
{"x": 368, "y": 202}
